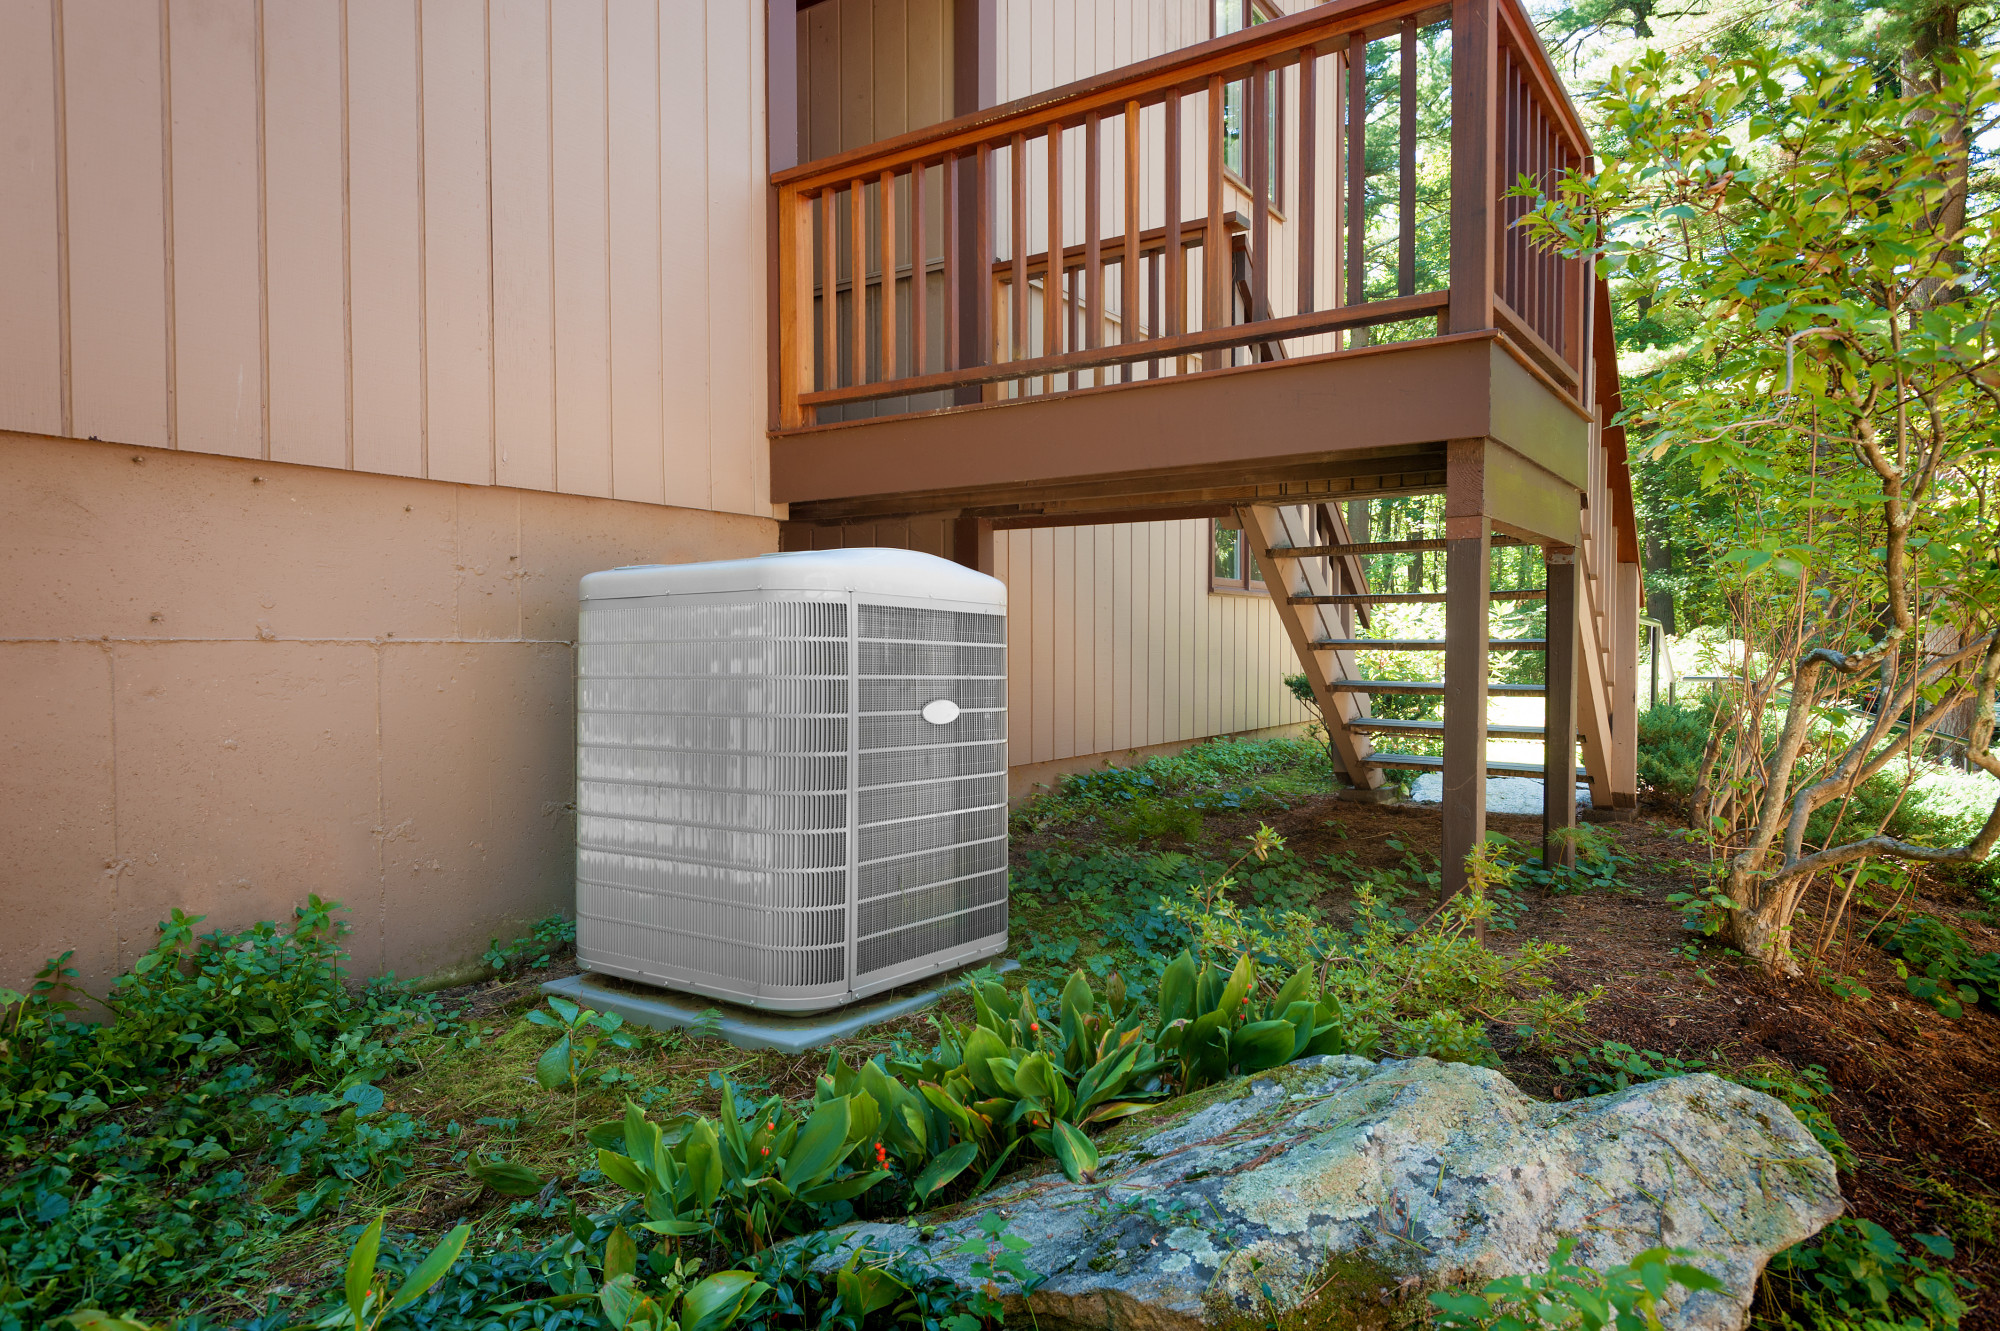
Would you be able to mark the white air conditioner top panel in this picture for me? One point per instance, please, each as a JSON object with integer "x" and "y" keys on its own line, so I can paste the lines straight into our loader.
{"x": 864, "y": 571}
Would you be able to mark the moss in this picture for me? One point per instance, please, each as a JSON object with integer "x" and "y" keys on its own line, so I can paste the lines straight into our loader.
{"x": 1350, "y": 1292}
{"x": 1158, "y": 1118}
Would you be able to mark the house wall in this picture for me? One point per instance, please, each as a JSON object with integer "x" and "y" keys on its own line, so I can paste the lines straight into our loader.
{"x": 516, "y": 243}
{"x": 230, "y": 683}
{"x": 337, "y": 340}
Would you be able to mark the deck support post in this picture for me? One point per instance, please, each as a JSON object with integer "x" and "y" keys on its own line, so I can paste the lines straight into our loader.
{"x": 1625, "y": 602}
{"x": 1466, "y": 585}
{"x": 1559, "y": 710}
{"x": 972, "y": 543}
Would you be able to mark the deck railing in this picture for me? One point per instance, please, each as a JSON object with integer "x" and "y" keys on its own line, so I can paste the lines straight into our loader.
{"x": 1138, "y": 225}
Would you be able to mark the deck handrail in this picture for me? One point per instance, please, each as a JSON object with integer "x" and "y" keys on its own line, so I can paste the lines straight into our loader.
{"x": 908, "y": 268}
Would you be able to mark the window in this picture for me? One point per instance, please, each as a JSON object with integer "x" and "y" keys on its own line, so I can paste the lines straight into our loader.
{"x": 1232, "y": 565}
{"x": 1232, "y": 16}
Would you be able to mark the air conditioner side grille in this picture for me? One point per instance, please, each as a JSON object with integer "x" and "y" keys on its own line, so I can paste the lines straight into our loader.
{"x": 931, "y": 808}
{"x": 712, "y": 794}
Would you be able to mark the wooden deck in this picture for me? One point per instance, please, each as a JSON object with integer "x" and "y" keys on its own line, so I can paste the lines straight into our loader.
{"x": 1089, "y": 305}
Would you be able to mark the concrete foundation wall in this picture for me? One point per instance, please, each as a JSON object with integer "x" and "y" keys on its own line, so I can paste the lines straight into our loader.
{"x": 228, "y": 684}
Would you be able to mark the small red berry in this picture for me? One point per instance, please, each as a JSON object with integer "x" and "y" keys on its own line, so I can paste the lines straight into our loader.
{"x": 771, "y": 1126}
{"x": 763, "y": 1150}
{"x": 1035, "y": 1026}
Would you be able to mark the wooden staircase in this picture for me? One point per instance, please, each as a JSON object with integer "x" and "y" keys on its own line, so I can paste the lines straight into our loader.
{"x": 1319, "y": 589}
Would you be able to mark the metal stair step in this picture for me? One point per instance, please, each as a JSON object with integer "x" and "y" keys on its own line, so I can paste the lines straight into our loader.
{"x": 1430, "y": 687}
{"x": 1425, "y": 763}
{"x": 1410, "y": 598}
{"x": 1372, "y": 725}
{"x": 1426, "y": 644}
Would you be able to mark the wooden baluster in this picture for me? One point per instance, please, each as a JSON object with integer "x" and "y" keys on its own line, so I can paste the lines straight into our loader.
{"x": 857, "y": 284}
{"x": 982, "y": 253}
{"x": 829, "y": 289}
{"x": 1257, "y": 151}
{"x": 1406, "y": 246}
{"x": 1308, "y": 204}
{"x": 949, "y": 179}
{"x": 1175, "y": 254}
{"x": 1128, "y": 267}
{"x": 1052, "y": 275}
{"x": 1357, "y": 177}
{"x": 1510, "y": 166}
{"x": 1215, "y": 243}
{"x": 1017, "y": 240}
{"x": 1545, "y": 297}
{"x": 1093, "y": 253}
{"x": 888, "y": 275}
{"x": 920, "y": 272}
{"x": 1154, "y": 264}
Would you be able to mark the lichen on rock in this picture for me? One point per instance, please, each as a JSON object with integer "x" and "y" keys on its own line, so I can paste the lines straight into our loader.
{"x": 1344, "y": 1186}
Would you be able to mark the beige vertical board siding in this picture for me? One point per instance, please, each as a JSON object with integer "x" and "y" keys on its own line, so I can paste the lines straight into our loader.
{"x": 582, "y": 258}
{"x": 637, "y": 200}
{"x": 740, "y": 455}
{"x": 385, "y": 173}
{"x": 856, "y": 37}
{"x": 819, "y": 99}
{"x": 929, "y": 26}
{"x": 31, "y": 342}
{"x": 458, "y": 285}
{"x": 305, "y": 277}
{"x": 684, "y": 244}
{"x": 1041, "y": 546}
{"x": 115, "y": 167}
{"x": 1064, "y": 646}
{"x": 218, "y": 340}
{"x": 1093, "y": 553}
{"x": 890, "y": 103}
{"x": 523, "y": 246}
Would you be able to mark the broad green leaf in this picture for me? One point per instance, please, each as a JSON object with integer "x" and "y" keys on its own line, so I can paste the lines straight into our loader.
{"x": 621, "y": 1171}
{"x": 552, "y": 1069}
{"x": 506, "y": 1177}
{"x": 945, "y": 1168}
{"x": 432, "y": 1270}
{"x": 1074, "y": 1151}
{"x": 719, "y": 1300}
{"x": 821, "y": 1145}
{"x": 361, "y": 1269}
{"x": 1262, "y": 1045}
{"x": 845, "y": 1189}
{"x": 1177, "y": 986}
{"x": 703, "y": 1157}
{"x": 621, "y": 1255}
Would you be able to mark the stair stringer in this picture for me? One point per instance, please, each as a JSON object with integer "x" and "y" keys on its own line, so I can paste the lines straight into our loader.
{"x": 1278, "y": 528}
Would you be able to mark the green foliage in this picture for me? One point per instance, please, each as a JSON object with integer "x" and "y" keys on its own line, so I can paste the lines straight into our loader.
{"x": 1626, "y": 1297}
{"x": 537, "y": 951}
{"x": 1672, "y": 738}
{"x": 1599, "y": 861}
{"x": 1218, "y": 776}
{"x": 1939, "y": 965}
{"x": 567, "y": 1063}
{"x": 231, "y": 1095}
{"x": 1855, "y": 1275}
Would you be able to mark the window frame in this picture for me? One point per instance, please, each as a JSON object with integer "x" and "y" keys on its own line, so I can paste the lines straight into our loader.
{"x": 1254, "y": 12}
{"x": 1242, "y": 584}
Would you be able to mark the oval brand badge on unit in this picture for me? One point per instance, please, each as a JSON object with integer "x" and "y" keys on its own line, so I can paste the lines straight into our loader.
{"x": 941, "y": 711}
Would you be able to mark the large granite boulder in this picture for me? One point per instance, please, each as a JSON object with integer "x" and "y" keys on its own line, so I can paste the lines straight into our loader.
{"x": 1349, "y": 1187}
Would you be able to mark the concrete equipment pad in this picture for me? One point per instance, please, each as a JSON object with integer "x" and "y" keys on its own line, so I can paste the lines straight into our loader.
{"x": 749, "y": 1028}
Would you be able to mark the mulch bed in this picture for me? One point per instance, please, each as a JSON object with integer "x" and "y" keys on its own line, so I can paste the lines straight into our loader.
{"x": 1917, "y": 1096}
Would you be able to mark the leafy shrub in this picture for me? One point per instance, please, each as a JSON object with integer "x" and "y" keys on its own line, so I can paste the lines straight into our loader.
{"x": 152, "y": 1152}
{"x": 1856, "y": 1275}
{"x": 1939, "y": 965}
{"x": 1569, "y": 1295}
{"x": 1672, "y": 737}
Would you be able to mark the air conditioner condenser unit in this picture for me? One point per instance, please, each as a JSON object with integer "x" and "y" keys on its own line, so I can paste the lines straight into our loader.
{"x": 791, "y": 774}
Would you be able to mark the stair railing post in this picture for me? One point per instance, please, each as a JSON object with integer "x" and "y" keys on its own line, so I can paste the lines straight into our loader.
{"x": 1465, "y": 634}
{"x": 1559, "y": 715}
